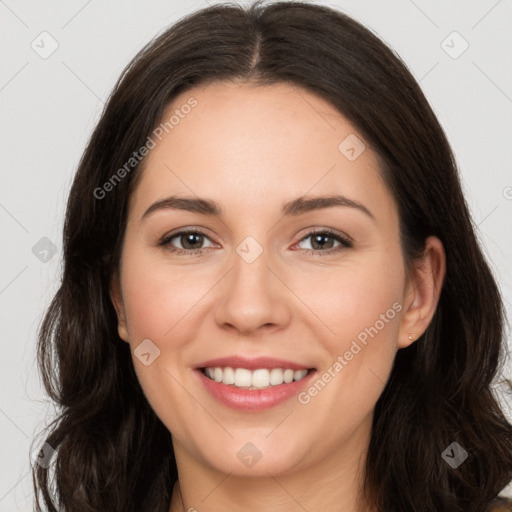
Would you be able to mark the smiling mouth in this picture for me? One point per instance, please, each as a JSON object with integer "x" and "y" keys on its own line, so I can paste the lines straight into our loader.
{"x": 261, "y": 378}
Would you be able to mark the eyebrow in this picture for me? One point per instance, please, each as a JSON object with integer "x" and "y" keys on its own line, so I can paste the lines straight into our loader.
{"x": 294, "y": 207}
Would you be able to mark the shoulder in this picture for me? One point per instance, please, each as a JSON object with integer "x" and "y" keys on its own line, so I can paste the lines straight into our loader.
{"x": 501, "y": 505}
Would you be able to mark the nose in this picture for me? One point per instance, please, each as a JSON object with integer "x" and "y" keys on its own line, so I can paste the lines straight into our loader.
{"x": 253, "y": 298}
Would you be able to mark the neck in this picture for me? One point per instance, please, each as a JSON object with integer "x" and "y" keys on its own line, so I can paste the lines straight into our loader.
{"x": 332, "y": 483}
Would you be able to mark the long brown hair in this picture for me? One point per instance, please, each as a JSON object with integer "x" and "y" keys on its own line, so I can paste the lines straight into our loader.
{"x": 112, "y": 452}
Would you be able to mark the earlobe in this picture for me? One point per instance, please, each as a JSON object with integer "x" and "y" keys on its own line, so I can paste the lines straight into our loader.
{"x": 117, "y": 301}
{"x": 422, "y": 292}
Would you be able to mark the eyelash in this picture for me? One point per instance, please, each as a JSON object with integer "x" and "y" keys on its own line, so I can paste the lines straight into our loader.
{"x": 345, "y": 242}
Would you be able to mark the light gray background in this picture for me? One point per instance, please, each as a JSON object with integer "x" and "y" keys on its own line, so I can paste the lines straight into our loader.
{"x": 49, "y": 108}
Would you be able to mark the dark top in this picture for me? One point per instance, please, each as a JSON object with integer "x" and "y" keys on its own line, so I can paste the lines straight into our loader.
{"x": 501, "y": 505}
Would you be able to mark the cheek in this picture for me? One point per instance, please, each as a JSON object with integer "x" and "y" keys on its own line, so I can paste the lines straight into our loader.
{"x": 370, "y": 310}
{"x": 158, "y": 302}
{"x": 157, "y": 296}
{"x": 361, "y": 306}
{"x": 355, "y": 299}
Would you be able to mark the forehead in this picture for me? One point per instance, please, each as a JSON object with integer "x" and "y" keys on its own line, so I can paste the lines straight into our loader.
{"x": 247, "y": 143}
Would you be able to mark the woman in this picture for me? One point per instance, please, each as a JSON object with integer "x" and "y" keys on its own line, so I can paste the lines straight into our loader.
{"x": 273, "y": 297}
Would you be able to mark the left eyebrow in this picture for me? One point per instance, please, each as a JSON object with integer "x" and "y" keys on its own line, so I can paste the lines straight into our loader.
{"x": 294, "y": 207}
{"x": 306, "y": 204}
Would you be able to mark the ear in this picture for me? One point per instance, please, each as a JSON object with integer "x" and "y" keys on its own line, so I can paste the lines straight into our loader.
{"x": 422, "y": 292}
{"x": 117, "y": 300}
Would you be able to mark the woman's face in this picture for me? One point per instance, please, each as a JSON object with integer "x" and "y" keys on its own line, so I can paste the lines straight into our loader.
{"x": 262, "y": 286}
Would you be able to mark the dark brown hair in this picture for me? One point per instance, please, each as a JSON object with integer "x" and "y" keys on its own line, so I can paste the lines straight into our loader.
{"x": 112, "y": 452}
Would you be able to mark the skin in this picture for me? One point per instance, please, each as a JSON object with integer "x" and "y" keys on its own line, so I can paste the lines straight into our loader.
{"x": 251, "y": 149}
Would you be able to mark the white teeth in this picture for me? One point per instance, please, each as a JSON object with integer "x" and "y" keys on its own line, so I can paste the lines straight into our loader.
{"x": 242, "y": 377}
{"x": 228, "y": 376}
{"x": 276, "y": 376}
{"x": 288, "y": 376}
{"x": 299, "y": 374}
{"x": 256, "y": 379}
{"x": 260, "y": 379}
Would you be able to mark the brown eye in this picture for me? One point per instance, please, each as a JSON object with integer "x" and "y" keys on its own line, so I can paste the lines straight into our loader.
{"x": 191, "y": 240}
{"x": 324, "y": 242}
{"x": 185, "y": 241}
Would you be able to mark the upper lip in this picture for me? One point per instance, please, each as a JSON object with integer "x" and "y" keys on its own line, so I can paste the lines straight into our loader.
{"x": 251, "y": 363}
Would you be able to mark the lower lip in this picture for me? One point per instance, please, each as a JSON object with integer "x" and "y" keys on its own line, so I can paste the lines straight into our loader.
{"x": 255, "y": 399}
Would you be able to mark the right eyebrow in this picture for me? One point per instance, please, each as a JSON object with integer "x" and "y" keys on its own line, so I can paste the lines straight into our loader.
{"x": 190, "y": 204}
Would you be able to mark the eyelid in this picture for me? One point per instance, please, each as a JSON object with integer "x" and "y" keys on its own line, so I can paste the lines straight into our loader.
{"x": 183, "y": 231}
{"x": 313, "y": 230}
{"x": 345, "y": 241}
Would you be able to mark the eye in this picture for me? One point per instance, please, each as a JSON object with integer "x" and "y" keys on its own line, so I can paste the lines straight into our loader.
{"x": 189, "y": 241}
{"x": 322, "y": 241}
